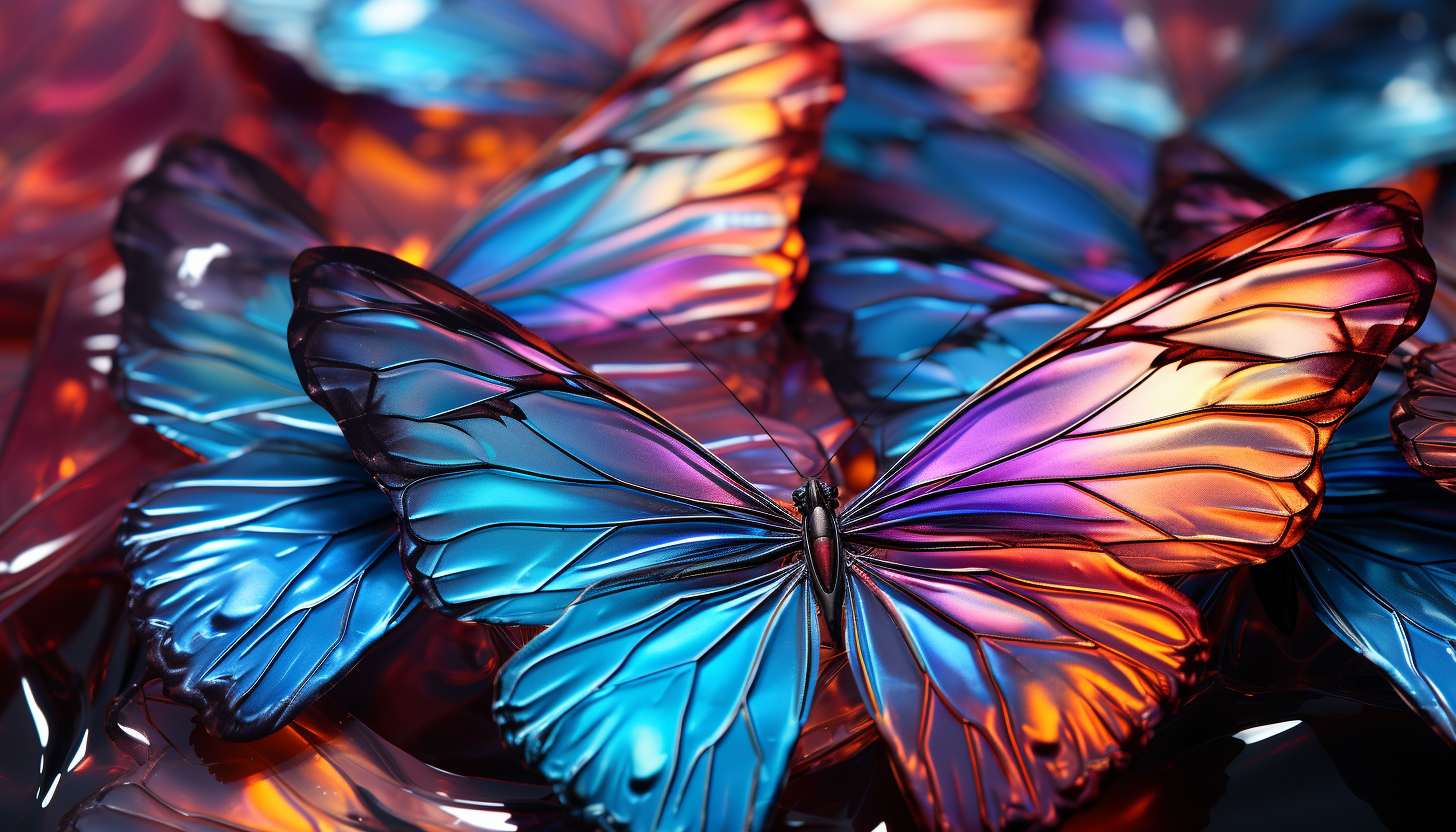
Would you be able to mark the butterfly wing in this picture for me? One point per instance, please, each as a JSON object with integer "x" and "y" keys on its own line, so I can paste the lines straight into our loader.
{"x": 207, "y": 238}
{"x": 520, "y": 477}
{"x": 677, "y": 192}
{"x": 906, "y": 322}
{"x": 669, "y": 704}
{"x": 1423, "y": 420}
{"x": 1009, "y": 683}
{"x": 1220, "y": 380}
{"x": 259, "y": 579}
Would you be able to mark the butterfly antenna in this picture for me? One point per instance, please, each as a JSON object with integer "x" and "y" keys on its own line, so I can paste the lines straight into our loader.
{"x": 911, "y": 372}
{"x": 745, "y": 407}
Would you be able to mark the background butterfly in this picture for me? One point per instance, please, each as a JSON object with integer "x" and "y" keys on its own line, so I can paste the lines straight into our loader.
{"x": 1008, "y": 658}
{"x": 208, "y": 238}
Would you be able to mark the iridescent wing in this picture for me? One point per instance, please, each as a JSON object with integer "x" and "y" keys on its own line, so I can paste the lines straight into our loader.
{"x": 1010, "y": 683}
{"x": 983, "y": 181}
{"x": 1423, "y": 420}
{"x": 259, "y": 579}
{"x": 1379, "y": 566}
{"x": 669, "y": 704}
{"x": 207, "y": 238}
{"x": 1201, "y": 195}
{"x": 519, "y": 476}
{"x": 1220, "y": 380}
{"x": 677, "y": 192}
{"x": 907, "y": 322}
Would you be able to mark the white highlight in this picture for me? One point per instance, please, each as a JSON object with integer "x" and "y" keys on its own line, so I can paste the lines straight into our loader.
{"x": 134, "y": 734}
{"x": 383, "y": 17}
{"x": 80, "y": 751}
{"x": 51, "y": 792}
{"x": 42, "y": 727}
{"x": 196, "y": 260}
{"x": 483, "y": 818}
{"x": 1264, "y": 732}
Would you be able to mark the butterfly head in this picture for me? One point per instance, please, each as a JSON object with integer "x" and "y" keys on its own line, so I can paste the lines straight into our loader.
{"x": 817, "y": 503}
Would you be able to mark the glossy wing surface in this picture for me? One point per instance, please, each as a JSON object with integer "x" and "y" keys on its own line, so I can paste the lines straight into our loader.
{"x": 676, "y": 192}
{"x": 907, "y": 322}
{"x": 1423, "y": 420}
{"x": 258, "y": 580}
{"x": 1010, "y": 683}
{"x": 207, "y": 239}
{"x": 669, "y": 705}
{"x": 1181, "y": 425}
{"x": 520, "y": 476}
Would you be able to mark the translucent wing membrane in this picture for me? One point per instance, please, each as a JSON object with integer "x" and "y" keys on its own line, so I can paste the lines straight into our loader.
{"x": 884, "y": 292}
{"x": 1220, "y": 379}
{"x": 207, "y": 239}
{"x": 1378, "y": 567}
{"x": 1423, "y": 420}
{"x": 258, "y": 580}
{"x": 669, "y": 706}
{"x": 677, "y": 192}
{"x": 1008, "y": 683}
{"x": 520, "y": 477}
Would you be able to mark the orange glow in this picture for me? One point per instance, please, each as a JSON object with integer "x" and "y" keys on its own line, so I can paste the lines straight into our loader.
{"x": 266, "y": 800}
{"x": 414, "y": 250}
{"x": 67, "y": 468}
{"x": 859, "y": 471}
{"x": 71, "y": 396}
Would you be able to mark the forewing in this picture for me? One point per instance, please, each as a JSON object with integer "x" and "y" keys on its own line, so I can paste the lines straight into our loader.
{"x": 677, "y": 192}
{"x": 1423, "y": 420}
{"x": 672, "y": 705}
{"x": 207, "y": 238}
{"x": 1181, "y": 425}
{"x": 1008, "y": 684}
{"x": 259, "y": 579}
{"x": 520, "y": 476}
{"x": 907, "y": 322}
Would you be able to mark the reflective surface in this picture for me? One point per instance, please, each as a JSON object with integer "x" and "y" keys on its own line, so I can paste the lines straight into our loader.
{"x": 1422, "y": 419}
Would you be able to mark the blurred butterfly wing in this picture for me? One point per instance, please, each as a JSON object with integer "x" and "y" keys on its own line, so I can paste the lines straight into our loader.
{"x": 669, "y": 704}
{"x": 1220, "y": 380}
{"x": 258, "y": 580}
{"x": 677, "y": 192}
{"x": 1423, "y": 420}
{"x": 520, "y": 477}
{"x": 1201, "y": 196}
{"x": 1008, "y": 684}
{"x": 1293, "y": 125}
{"x": 207, "y": 239}
{"x": 1007, "y": 189}
{"x": 907, "y": 323}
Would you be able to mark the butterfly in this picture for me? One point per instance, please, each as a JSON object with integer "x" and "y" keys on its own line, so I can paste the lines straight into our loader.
{"x": 650, "y": 204}
{"x": 982, "y": 585}
{"x": 1423, "y": 418}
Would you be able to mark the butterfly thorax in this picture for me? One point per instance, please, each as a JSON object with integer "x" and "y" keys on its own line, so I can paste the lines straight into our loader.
{"x": 817, "y": 501}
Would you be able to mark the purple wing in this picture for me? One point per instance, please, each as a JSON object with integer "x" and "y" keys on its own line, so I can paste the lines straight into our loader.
{"x": 1201, "y": 196}
{"x": 1219, "y": 380}
{"x": 519, "y": 476}
{"x": 1010, "y": 683}
{"x": 1423, "y": 420}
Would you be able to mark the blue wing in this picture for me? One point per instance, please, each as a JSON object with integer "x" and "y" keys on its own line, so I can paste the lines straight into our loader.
{"x": 669, "y": 705}
{"x": 983, "y": 181}
{"x": 257, "y": 580}
{"x": 907, "y": 323}
{"x": 1363, "y": 105}
{"x": 207, "y": 239}
{"x": 520, "y": 477}
{"x": 1379, "y": 565}
{"x": 1008, "y": 684}
{"x": 677, "y": 192}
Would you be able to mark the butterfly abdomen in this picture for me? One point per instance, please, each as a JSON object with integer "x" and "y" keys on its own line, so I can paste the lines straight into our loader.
{"x": 816, "y": 502}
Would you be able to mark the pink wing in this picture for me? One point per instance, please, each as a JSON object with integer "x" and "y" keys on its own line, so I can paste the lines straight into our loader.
{"x": 1180, "y": 426}
{"x": 1010, "y": 683}
{"x": 1201, "y": 196}
{"x": 1423, "y": 420}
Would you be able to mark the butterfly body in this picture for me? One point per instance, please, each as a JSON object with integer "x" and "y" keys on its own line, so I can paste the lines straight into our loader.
{"x": 816, "y": 501}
